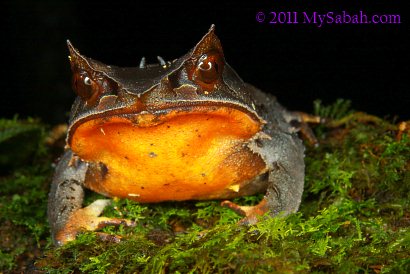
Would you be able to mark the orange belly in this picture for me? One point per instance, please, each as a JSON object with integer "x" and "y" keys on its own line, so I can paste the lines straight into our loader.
{"x": 182, "y": 157}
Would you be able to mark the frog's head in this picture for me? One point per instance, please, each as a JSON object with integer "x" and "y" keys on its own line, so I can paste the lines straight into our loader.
{"x": 199, "y": 86}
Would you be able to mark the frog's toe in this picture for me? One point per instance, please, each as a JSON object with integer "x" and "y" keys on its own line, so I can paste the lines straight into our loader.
{"x": 86, "y": 219}
{"x": 300, "y": 121}
{"x": 250, "y": 213}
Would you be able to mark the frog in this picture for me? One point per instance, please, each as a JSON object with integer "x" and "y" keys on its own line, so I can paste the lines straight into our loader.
{"x": 187, "y": 129}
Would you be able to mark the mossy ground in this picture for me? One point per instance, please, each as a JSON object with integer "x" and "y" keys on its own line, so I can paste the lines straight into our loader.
{"x": 354, "y": 215}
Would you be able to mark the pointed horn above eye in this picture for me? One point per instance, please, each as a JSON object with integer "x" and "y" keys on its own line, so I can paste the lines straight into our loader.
{"x": 82, "y": 62}
{"x": 208, "y": 43}
{"x": 76, "y": 59}
{"x": 70, "y": 47}
{"x": 73, "y": 51}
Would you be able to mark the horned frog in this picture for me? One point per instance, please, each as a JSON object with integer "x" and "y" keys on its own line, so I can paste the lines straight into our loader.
{"x": 190, "y": 129}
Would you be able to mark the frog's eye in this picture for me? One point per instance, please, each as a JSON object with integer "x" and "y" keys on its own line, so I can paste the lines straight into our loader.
{"x": 208, "y": 70}
{"x": 87, "y": 81}
{"x": 86, "y": 87}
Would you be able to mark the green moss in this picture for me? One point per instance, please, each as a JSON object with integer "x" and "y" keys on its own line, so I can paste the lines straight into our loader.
{"x": 24, "y": 176}
{"x": 354, "y": 216}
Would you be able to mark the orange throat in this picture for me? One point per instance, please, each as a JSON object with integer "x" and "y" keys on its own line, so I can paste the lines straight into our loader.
{"x": 176, "y": 156}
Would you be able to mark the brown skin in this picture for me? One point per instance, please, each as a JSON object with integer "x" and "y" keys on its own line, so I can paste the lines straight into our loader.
{"x": 189, "y": 129}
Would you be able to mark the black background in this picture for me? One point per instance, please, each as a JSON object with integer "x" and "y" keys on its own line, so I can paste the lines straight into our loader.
{"x": 368, "y": 64}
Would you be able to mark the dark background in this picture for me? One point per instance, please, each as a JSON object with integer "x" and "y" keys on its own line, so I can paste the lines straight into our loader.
{"x": 368, "y": 64}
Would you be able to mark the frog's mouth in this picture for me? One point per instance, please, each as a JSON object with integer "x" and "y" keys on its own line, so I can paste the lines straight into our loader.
{"x": 197, "y": 153}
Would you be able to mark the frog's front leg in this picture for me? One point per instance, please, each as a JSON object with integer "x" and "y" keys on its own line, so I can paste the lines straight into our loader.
{"x": 283, "y": 154}
{"x": 65, "y": 213}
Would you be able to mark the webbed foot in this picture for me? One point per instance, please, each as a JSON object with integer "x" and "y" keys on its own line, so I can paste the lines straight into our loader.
{"x": 87, "y": 219}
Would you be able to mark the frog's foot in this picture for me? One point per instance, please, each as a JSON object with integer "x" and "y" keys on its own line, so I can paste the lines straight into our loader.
{"x": 300, "y": 121}
{"x": 250, "y": 213}
{"x": 86, "y": 219}
{"x": 307, "y": 118}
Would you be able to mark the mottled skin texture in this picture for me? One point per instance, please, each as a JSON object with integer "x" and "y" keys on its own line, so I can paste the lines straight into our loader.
{"x": 264, "y": 144}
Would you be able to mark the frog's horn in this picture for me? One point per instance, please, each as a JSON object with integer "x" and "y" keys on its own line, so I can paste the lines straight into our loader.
{"x": 76, "y": 59}
{"x": 208, "y": 43}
